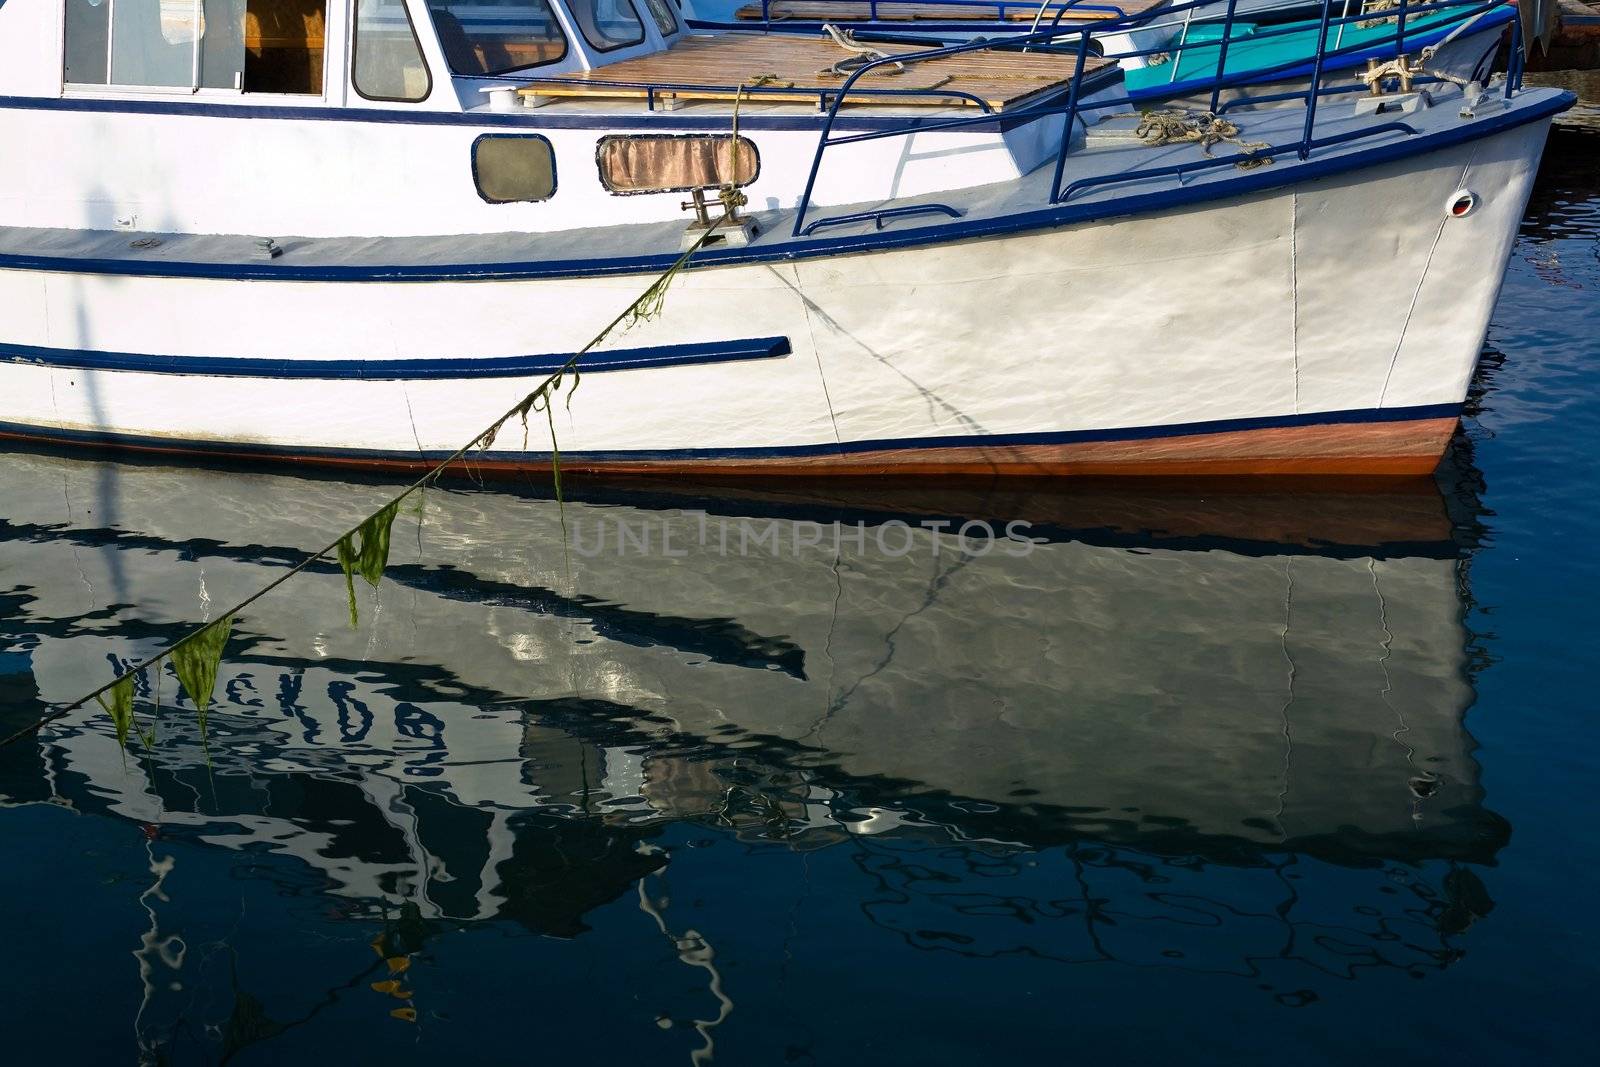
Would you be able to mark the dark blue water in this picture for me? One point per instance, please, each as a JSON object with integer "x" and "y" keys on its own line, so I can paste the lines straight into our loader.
{"x": 1209, "y": 776}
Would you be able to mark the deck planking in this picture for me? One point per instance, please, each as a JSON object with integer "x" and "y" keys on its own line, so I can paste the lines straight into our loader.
{"x": 713, "y": 68}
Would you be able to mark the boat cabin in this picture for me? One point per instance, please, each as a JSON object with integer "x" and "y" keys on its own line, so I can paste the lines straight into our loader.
{"x": 369, "y": 53}
{"x": 385, "y": 118}
{"x": 433, "y": 54}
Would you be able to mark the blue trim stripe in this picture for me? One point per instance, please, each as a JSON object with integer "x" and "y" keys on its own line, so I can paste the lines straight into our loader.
{"x": 1066, "y": 437}
{"x": 393, "y": 369}
{"x": 416, "y": 115}
{"x": 764, "y": 251}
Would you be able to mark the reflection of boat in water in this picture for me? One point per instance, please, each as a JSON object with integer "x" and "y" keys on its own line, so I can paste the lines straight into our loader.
{"x": 1166, "y": 713}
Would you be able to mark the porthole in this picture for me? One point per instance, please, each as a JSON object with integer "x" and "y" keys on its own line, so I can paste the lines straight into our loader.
{"x": 513, "y": 168}
{"x": 667, "y": 163}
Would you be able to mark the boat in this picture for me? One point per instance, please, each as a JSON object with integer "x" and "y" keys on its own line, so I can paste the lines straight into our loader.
{"x": 1461, "y": 46}
{"x": 358, "y": 248}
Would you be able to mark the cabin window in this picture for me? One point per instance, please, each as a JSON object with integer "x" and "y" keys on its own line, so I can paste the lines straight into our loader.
{"x": 387, "y": 62}
{"x": 607, "y": 24}
{"x": 481, "y": 37}
{"x": 661, "y": 11}
{"x": 510, "y": 169}
{"x": 272, "y": 46}
{"x": 663, "y": 163}
{"x": 88, "y": 42}
{"x": 283, "y": 45}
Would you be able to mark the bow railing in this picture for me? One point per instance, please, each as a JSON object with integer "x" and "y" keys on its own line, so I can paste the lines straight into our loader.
{"x": 1417, "y": 25}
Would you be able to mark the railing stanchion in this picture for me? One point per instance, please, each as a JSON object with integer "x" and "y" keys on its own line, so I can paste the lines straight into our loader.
{"x": 1175, "y": 59}
{"x": 1514, "y": 60}
{"x": 1400, "y": 32}
{"x": 1316, "y": 78}
{"x": 1071, "y": 114}
{"x": 1222, "y": 55}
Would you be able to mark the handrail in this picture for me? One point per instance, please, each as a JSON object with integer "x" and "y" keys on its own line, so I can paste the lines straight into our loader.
{"x": 1000, "y": 6}
{"x": 1074, "y": 105}
{"x": 1180, "y": 169}
{"x": 879, "y": 216}
{"x": 1037, "y": 111}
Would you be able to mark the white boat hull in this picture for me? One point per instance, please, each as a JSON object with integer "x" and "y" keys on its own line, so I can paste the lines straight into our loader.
{"x": 1327, "y": 326}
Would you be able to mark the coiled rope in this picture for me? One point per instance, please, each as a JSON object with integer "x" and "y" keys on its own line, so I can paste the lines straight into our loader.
{"x": 1180, "y": 126}
{"x": 861, "y": 54}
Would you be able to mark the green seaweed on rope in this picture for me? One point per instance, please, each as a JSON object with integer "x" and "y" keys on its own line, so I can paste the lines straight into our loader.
{"x": 365, "y": 551}
{"x": 195, "y": 661}
{"x": 120, "y": 708}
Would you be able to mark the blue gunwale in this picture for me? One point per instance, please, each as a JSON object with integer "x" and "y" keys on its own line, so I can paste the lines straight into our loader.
{"x": 785, "y": 249}
{"x": 1357, "y": 416}
{"x": 614, "y": 359}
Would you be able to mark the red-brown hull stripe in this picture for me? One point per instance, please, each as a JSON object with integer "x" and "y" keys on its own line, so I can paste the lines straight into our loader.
{"x": 1369, "y": 448}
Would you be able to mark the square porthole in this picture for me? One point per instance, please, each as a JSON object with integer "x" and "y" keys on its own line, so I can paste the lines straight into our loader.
{"x": 513, "y": 169}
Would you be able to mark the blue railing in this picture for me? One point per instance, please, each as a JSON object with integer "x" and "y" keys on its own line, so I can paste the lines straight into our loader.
{"x": 1072, "y": 105}
{"x": 1000, "y": 7}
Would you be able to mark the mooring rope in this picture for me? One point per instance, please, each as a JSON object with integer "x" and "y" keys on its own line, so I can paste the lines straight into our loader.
{"x": 645, "y": 306}
{"x": 728, "y": 192}
{"x": 1403, "y": 69}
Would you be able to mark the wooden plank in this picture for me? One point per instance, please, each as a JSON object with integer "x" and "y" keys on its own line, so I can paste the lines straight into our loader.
{"x": 713, "y": 68}
{"x": 861, "y": 11}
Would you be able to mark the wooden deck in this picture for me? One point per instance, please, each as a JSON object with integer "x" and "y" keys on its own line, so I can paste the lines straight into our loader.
{"x": 861, "y": 11}
{"x": 713, "y": 68}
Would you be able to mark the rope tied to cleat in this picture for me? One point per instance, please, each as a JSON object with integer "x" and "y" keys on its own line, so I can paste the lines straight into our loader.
{"x": 1402, "y": 68}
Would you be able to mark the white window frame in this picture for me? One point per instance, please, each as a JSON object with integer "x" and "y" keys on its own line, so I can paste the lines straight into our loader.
{"x": 336, "y": 15}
